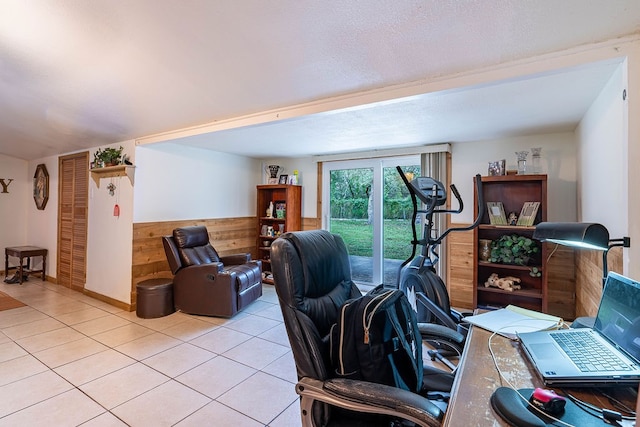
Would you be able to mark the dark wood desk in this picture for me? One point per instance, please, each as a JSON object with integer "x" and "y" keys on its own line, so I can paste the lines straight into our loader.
{"x": 477, "y": 378}
{"x": 22, "y": 252}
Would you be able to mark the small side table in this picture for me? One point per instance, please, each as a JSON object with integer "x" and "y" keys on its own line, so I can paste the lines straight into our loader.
{"x": 25, "y": 252}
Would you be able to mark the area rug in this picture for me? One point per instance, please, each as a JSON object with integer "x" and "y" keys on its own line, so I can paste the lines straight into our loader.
{"x": 7, "y": 302}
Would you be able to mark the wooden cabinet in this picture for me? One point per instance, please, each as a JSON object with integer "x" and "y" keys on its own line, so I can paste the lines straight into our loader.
{"x": 286, "y": 216}
{"x": 513, "y": 191}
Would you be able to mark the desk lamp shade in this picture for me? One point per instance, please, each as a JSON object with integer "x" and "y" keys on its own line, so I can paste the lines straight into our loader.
{"x": 575, "y": 234}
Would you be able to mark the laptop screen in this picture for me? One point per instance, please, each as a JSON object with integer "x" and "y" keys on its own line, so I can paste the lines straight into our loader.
{"x": 618, "y": 317}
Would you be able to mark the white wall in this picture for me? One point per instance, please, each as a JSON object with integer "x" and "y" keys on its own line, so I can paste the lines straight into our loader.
{"x": 470, "y": 158}
{"x": 175, "y": 182}
{"x": 308, "y": 178}
{"x": 602, "y": 146}
{"x": 558, "y": 162}
{"x": 42, "y": 229}
{"x": 109, "y": 238}
{"x": 13, "y": 204}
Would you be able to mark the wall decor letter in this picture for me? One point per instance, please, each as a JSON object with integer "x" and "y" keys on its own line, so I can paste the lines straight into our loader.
{"x": 5, "y": 184}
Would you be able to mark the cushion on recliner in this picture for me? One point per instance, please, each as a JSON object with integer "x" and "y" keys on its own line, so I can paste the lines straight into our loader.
{"x": 247, "y": 275}
{"x": 193, "y": 245}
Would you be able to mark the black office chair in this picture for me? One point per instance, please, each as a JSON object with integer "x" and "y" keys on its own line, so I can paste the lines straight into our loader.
{"x": 312, "y": 277}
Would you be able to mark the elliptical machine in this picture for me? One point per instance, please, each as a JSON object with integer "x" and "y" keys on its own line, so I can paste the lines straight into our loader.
{"x": 417, "y": 276}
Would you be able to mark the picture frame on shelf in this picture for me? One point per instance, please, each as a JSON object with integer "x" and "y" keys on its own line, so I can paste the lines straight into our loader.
{"x": 528, "y": 214}
{"x": 281, "y": 209}
{"x": 496, "y": 213}
{"x": 292, "y": 180}
{"x": 283, "y": 179}
{"x": 497, "y": 168}
{"x": 272, "y": 181}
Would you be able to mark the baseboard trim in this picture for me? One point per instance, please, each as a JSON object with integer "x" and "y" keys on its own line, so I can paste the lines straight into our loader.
{"x": 108, "y": 300}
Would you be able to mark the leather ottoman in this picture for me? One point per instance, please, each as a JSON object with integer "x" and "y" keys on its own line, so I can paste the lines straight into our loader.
{"x": 154, "y": 298}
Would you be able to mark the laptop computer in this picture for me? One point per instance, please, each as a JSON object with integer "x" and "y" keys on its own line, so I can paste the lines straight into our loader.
{"x": 616, "y": 330}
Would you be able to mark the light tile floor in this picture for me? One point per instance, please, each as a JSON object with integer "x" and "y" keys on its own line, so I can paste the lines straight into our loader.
{"x": 68, "y": 360}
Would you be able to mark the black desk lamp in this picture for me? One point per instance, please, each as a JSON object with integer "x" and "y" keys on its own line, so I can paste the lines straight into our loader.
{"x": 581, "y": 235}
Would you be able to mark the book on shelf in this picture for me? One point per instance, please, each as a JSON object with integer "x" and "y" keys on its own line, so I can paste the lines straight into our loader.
{"x": 496, "y": 213}
{"x": 528, "y": 214}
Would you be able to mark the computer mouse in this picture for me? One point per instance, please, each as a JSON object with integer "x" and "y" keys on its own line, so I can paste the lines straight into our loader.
{"x": 547, "y": 401}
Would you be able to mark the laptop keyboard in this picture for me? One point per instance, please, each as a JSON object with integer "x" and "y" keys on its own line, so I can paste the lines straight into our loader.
{"x": 587, "y": 353}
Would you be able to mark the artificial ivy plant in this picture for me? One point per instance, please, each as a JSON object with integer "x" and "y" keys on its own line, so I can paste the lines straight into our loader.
{"x": 513, "y": 249}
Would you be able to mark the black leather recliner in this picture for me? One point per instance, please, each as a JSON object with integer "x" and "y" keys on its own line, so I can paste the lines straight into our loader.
{"x": 312, "y": 276}
{"x": 206, "y": 283}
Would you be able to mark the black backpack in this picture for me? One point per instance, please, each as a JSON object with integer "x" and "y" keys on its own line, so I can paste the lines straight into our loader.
{"x": 376, "y": 339}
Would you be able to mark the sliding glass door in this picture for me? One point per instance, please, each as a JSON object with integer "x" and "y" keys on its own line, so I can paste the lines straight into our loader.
{"x": 366, "y": 202}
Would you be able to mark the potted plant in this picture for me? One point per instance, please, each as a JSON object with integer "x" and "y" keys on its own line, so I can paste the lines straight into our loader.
{"x": 108, "y": 156}
{"x": 513, "y": 249}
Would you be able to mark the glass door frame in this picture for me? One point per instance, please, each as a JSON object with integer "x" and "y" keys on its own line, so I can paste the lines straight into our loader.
{"x": 377, "y": 189}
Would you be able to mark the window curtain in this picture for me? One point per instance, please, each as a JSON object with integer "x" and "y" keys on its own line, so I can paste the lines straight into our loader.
{"x": 434, "y": 165}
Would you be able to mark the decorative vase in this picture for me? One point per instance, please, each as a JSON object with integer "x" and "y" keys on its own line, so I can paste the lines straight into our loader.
{"x": 272, "y": 170}
{"x": 522, "y": 161}
{"x": 484, "y": 249}
{"x": 536, "y": 160}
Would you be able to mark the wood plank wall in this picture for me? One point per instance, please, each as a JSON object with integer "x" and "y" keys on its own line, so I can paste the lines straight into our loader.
{"x": 228, "y": 236}
{"x": 460, "y": 261}
{"x": 589, "y": 278}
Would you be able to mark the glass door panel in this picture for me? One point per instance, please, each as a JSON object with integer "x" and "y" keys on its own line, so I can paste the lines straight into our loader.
{"x": 397, "y": 213}
{"x": 367, "y": 203}
{"x": 350, "y": 216}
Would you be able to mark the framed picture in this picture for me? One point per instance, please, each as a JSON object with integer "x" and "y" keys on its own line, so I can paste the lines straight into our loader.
{"x": 41, "y": 186}
{"x": 283, "y": 179}
{"x": 272, "y": 181}
{"x": 496, "y": 213}
{"x": 497, "y": 168}
{"x": 528, "y": 214}
{"x": 293, "y": 179}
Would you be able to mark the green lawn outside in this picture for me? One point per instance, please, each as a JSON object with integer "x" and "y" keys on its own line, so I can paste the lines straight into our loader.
{"x": 358, "y": 236}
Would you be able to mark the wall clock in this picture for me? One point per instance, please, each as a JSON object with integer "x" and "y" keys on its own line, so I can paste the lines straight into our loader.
{"x": 41, "y": 186}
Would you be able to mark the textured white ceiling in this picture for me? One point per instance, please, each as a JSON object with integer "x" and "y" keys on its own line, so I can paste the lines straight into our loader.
{"x": 77, "y": 74}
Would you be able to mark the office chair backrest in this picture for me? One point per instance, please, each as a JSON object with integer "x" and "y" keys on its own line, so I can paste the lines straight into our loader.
{"x": 312, "y": 276}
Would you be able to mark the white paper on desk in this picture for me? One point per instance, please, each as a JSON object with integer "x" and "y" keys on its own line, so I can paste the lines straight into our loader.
{"x": 511, "y": 320}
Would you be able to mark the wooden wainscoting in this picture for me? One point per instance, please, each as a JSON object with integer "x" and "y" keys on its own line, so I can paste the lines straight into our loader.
{"x": 228, "y": 236}
{"x": 311, "y": 223}
{"x": 460, "y": 267}
{"x": 561, "y": 282}
{"x": 589, "y": 278}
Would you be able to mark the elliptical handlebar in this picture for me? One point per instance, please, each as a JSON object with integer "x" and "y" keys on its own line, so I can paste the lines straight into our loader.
{"x": 481, "y": 209}
{"x": 433, "y": 202}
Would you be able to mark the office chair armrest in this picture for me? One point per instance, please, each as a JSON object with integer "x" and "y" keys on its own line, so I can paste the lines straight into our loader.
{"x": 460, "y": 315}
{"x": 431, "y": 331}
{"x": 362, "y": 396}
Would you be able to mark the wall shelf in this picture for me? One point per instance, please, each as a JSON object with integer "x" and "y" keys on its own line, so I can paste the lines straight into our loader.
{"x": 112, "y": 171}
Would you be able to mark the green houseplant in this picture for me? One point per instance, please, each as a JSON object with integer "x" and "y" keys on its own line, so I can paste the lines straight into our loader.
{"x": 108, "y": 156}
{"x": 513, "y": 249}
